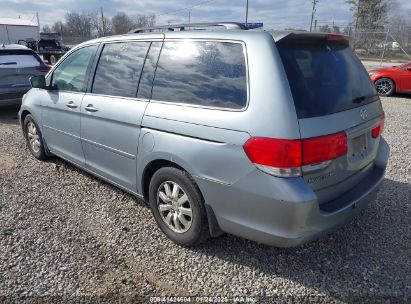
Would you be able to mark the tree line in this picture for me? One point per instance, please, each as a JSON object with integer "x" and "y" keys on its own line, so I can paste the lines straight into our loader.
{"x": 94, "y": 24}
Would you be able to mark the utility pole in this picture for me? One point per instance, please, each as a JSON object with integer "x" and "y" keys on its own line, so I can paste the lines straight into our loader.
{"x": 246, "y": 14}
{"x": 315, "y": 25}
{"x": 102, "y": 21}
{"x": 189, "y": 17}
{"x": 312, "y": 14}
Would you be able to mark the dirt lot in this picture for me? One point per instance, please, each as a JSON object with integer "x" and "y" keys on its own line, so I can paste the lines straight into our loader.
{"x": 67, "y": 236}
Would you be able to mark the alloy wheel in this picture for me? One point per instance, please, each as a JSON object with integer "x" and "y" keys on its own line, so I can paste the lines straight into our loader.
{"x": 383, "y": 86}
{"x": 33, "y": 136}
{"x": 174, "y": 207}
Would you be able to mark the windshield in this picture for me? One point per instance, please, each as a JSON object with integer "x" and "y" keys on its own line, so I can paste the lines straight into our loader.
{"x": 325, "y": 77}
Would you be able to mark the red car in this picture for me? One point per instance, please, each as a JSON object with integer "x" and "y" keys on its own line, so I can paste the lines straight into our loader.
{"x": 387, "y": 81}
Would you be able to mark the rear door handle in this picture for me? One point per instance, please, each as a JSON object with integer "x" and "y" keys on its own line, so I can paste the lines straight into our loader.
{"x": 71, "y": 105}
{"x": 91, "y": 108}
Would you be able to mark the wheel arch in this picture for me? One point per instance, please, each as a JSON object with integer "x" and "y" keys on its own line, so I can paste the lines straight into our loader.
{"x": 23, "y": 116}
{"x": 157, "y": 164}
{"x": 151, "y": 168}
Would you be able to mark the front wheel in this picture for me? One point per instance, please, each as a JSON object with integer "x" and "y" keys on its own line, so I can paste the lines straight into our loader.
{"x": 177, "y": 206}
{"x": 385, "y": 87}
{"x": 34, "y": 138}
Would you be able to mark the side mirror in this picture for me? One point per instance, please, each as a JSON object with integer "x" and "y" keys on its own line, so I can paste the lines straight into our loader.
{"x": 38, "y": 81}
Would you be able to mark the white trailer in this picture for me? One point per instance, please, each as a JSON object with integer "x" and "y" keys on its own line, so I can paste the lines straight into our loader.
{"x": 13, "y": 30}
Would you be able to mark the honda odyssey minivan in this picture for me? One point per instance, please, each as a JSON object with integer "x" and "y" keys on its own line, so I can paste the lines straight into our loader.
{"x": 270, "y": 136}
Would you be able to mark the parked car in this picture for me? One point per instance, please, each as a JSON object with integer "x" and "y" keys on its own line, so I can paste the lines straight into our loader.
{"x": 274, "y": 137}
{"x": 17, "y": 65}
{"x": 390, "y": 80}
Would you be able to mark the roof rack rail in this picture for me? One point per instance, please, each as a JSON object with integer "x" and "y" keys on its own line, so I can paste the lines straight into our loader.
{"x": 183, "y": 27}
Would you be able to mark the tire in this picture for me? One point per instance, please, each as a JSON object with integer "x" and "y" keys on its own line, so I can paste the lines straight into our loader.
{"x": 53, "y": 59}
{"x": 34, "y": 138}
{"x": 174, "y": 217}
{"x": 385, "y": 86}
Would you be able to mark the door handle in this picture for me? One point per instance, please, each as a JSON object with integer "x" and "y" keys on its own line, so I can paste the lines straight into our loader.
{"x": 91, "y": 108}
{"x": 71, "y": 105}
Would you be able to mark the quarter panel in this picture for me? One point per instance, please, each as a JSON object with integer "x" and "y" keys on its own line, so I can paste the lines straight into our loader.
{"x": 222, "y": 162}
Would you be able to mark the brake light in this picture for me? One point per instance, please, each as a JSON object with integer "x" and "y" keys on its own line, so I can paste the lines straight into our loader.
{"x": 333, "y": 37}
{"x": 377, "y": 131}
{"x": 43, "y": 68}
{"x": 285, "y": 158}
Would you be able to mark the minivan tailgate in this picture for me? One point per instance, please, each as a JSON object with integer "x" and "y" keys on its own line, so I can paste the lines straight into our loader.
{"x": 357, "y": 123}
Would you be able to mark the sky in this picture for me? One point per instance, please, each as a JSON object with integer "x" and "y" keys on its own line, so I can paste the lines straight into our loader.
{"x": 273, "y": 13}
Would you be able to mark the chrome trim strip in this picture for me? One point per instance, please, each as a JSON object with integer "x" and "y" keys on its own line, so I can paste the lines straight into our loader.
{"x": 110, "y": 149}
{"x": 62, "y": 132}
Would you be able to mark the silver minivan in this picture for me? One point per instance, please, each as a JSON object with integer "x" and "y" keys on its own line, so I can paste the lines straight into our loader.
{"x": 271, "y": 136}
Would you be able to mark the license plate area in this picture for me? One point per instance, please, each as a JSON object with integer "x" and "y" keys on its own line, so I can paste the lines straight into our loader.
{"x": 359, "y": 144}
{"x": 359, "y": 148}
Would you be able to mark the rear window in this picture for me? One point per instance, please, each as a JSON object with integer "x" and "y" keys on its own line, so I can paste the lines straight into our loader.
{"x": 325, "y": 77}
{"x": 205, "y": 73}
{"x": 18, "y": 59}
{"x": 119, "y": 68}
{"x": 49, "y": 44}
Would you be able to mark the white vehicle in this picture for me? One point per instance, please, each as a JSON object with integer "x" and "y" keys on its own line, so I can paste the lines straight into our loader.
{"x": 14, "y": 30}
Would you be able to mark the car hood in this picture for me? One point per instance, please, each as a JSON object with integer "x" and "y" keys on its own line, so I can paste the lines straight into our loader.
{"x": 387, "y": 69}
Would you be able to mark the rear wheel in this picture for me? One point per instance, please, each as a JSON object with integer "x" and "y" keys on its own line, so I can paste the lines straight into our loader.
{"x": 53, "y": 59}
{"x": 177, "y": 206}
{"x": 385, "y": 87}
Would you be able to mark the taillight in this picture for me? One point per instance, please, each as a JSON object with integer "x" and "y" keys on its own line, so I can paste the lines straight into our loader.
{"x": 323, "y": 148}
{"x": 43, "y": 68}
{"x": 282, "y": 157}
{"x": 378, "y": 129}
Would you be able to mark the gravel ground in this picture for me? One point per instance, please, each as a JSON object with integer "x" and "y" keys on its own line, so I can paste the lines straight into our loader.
{"x": 66, "y": 236}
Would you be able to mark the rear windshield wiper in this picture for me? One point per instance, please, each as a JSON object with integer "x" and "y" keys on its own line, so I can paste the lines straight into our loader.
{"x": 359, "y": 99}
{"x": 7, "y": 63}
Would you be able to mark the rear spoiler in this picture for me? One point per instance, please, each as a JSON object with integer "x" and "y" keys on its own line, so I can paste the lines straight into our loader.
{"x": 281, "y": 35}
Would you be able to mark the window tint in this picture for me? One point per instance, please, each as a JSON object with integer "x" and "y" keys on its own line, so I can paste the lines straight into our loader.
{"x": 202, "y": 73}
{"x": 325, "y": 77}
{"x": 119, "y": 69}
{"x": 146, "y": 81}
{"x": 71, "y": 73}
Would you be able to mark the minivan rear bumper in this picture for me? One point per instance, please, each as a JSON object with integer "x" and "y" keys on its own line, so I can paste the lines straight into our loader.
{"x": 285, "y": 212}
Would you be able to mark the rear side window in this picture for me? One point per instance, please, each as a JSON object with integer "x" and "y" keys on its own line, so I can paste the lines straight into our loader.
{"x": 119, "y": 68}
{"x": 205, "y": 73}
{"x": 325, "y": 77}
{"x": 18, "y": 59}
